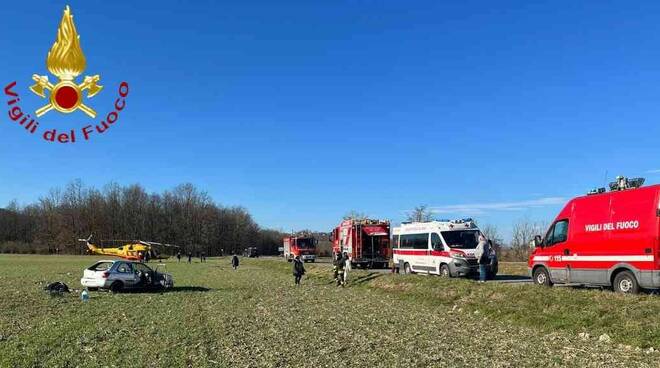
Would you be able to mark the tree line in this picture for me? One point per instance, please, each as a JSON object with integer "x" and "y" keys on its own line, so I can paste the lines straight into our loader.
{"x": 184, "y": 216}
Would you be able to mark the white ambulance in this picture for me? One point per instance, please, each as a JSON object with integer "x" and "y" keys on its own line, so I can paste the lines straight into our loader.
{"x": 443, "y": 247}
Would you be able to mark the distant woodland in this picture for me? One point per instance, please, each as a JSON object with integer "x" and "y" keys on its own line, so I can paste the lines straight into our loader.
{"x": 185, "y": 216}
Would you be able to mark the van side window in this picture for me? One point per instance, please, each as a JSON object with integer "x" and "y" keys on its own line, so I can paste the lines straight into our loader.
{"x": 436, "y": 243}
{"x": 558, "y": 233}
{"x": 395, "y": 241}
{"x": 422, "y": 241}
{"x": 405, "y": 241}
{"x": 414, "y": 241}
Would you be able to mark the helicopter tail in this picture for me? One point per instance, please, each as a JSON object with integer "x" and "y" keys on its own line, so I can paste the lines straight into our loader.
{"x": 91, "y": 248}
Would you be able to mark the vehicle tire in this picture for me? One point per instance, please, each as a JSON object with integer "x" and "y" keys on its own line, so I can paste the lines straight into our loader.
{"x": 626, "y": 283}
{"x": 406, "y": 269}
{"x": 444, "y": 271}
{"x": 541, "y": 277}
{"x": 116, "y": 287}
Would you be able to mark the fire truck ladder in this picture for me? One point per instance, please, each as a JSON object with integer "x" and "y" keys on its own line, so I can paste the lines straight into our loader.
{"x": 358, "y": 241}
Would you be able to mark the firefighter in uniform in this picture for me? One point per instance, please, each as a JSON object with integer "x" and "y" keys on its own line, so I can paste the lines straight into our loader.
{"x": 335, "y": 268}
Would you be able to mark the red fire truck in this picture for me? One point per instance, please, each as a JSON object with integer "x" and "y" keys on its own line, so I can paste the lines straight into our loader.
{"x": 303, "y": 246}
{"x": 603, "y": 239}
{"x": 366, "y": 241}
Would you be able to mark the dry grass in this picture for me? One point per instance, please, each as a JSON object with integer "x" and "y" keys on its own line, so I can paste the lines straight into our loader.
{"x": 255, "y": 317}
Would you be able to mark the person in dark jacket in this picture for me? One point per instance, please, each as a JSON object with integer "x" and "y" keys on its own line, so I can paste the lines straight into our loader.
{"x": 178, "y": 256}
{"x": 341, "y": 268}
{"x": 189, "y": 257}
{"x": 298, "y": 270}
{"x": 335, "y": 266}
{"x": 234, "y": 262}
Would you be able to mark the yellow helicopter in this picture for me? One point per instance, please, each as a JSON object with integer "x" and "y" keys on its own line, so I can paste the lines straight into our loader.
{"x": 134, "y": 250}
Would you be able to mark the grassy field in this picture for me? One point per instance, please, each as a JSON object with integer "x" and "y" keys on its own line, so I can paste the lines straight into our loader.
{"x": 255, "y": 317}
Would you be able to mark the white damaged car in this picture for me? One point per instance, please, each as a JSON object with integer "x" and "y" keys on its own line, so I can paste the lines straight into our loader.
{"x": 121, "y": 275}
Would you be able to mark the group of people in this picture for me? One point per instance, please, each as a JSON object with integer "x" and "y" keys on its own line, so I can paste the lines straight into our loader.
{"x": 341, "y": 264}
{"x": 202, "y": 256}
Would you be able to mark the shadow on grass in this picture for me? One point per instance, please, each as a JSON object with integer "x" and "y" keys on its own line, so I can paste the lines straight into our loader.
{"x": 364, "y": 279}
{"x": 511, "y": 278}
{"x": 175, "y": 289}
{"x": 188, "y": 288}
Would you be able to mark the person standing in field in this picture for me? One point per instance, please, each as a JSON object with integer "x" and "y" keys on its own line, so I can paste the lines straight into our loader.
{"x": 189, "y": 257}
{"x": 298, "y": 270}
{"x": 234, "y": 262}
{"x": 347, "y": 266}
{"x": 482, "y": 253}
{"x": 335, "y": 266}
{"x": 178, "y": 256}
{"x": 492, "y": 257}
{"x": 341, "y": 264}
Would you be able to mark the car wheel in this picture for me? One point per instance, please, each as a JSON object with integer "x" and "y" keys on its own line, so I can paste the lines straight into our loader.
{"x": 406, "y": 268}
{"x": 444, "y": 271}
{"x": 625, "y": 282}
{"x": 541, "y": 277}
{"x": 116, "y": 287}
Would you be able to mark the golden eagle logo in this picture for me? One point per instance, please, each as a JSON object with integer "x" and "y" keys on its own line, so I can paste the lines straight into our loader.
{"x": 66, "y": 61}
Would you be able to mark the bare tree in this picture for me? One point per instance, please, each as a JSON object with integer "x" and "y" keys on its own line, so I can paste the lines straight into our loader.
{"x": 493, "y": 234}
{"x": 420, "y": 213}
{"x": 355, "y": 215}
{"x": 523, "y": 232}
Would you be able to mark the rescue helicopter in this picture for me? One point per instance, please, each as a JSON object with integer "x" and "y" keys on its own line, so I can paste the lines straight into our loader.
{"x": 134, "y": 250}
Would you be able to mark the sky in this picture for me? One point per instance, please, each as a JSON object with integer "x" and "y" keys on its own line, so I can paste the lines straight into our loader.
{"x": 302, "y": 111}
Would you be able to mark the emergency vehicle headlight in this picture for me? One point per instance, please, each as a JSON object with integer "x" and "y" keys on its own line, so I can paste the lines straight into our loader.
{"x": 457, "y": 255}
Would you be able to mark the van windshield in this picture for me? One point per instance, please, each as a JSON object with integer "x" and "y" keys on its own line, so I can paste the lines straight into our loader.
{"x": 461, "y": 239}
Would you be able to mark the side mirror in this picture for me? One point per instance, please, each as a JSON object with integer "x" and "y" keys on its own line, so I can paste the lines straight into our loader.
{"x": 536, "y": 242}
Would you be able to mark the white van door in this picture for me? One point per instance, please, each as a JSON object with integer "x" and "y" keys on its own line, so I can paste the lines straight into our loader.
{"x": 436, "y": 246}
{"x": 425, "y": 260}
{"x": 414, "y": 250}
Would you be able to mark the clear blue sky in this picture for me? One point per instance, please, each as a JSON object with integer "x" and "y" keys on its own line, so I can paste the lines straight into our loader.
{"x": 301, "y": 111}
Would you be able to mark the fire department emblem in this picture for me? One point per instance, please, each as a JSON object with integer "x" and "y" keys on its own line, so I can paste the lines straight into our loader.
{"x": 66, "y": 61}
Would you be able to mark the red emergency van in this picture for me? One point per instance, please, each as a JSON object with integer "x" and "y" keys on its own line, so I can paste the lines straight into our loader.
{"x": 603, "y": 239}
